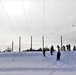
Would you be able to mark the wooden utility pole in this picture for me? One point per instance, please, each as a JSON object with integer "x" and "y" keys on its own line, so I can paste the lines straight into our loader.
{"x": 61, "y": 43}
{"x": 20, "y": 44}
{"x": 12, "y": 45}
{"x": 31, "y": 44}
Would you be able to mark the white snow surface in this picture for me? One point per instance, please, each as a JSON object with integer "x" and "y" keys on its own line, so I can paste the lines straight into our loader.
{"x": 33, "y": 63}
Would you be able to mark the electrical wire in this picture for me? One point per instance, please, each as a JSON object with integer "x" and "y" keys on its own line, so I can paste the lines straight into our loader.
{"x": 26, "y": 18}
{"x": 9, "y": 19}
{"x": 43, "y": 15}
{"x": 69, "y": 29}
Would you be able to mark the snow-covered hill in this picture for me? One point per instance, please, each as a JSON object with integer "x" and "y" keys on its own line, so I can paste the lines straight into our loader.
{"x": 33, "y": 63}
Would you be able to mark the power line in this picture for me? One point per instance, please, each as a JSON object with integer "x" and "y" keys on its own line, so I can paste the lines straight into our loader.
{"x": 9, "y": 18}
{"x": 43, "y": 15}
{"x": 69, "y": 29}
{"x": 26, "y": 18}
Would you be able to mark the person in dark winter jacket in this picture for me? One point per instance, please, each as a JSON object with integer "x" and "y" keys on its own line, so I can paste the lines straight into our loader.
{"x": 52, "y": 49}
{"x": 58, "y": 55}
{"x": 58, "y": 47}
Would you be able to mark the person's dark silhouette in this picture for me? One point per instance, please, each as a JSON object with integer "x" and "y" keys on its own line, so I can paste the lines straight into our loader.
{"x": 58, "y": 55}
{"x": 69, "y": 46}
{"x": 74, "y": 48}
{"x": 63, "y": 47}
{"x": 58, "y": 47}
{"x": 44, "y": 52}
{"x": 52, "y": 49}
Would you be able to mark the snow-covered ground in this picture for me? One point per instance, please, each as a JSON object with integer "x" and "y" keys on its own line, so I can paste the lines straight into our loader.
{"x": 33, "y": 63}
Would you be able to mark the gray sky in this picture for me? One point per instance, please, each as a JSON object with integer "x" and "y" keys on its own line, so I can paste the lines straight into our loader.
{"x": 59, "y": 17}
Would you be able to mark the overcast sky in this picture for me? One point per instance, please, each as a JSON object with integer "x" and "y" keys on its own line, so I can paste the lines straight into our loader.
{"x": 59, "y": 17}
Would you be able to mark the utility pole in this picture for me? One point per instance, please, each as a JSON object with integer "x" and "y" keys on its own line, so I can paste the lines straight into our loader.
{"x": 43, "y": 46}
{"x": 20, "y": 44}
{"x": 31, "y": 44}
{"x": 12, "y": 45}
{"x": 43, "y": 27}
{"x": 61, "y": 43}
{"x": 43, "y": 42}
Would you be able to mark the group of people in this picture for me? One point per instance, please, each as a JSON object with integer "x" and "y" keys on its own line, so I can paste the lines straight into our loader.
{"x": 58, "y": 53}
{"x": 51, "y": 52}
{"x": 67, "y": 47}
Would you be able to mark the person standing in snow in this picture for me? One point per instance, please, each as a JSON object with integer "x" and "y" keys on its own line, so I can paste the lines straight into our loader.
{"x": 58, "y": 47}
{"x": 58, "y": 55}
{"x": 63, "y": 47}
{"x": 44, "y": 52}
{"x": 74, "y": 48}
{"x": 69, "y": 46}
{"x": 52, "y": 49}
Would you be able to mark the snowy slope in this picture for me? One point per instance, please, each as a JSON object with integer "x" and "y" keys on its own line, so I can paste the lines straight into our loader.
{"x": 33, "y": 63}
